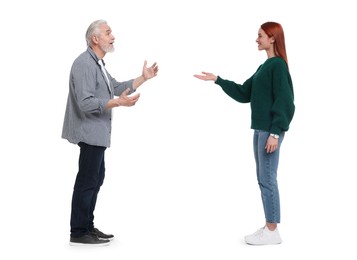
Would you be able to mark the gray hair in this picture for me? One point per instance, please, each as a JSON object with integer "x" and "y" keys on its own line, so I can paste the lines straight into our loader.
{"x": 93, "y": 29}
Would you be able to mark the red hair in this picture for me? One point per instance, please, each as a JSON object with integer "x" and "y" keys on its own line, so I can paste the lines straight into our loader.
{"x": 275, "y": 30}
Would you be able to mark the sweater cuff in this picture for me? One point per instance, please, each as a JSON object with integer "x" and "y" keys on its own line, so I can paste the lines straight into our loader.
{"x": 275, "y": 130}
{"x": 218, "y": 80}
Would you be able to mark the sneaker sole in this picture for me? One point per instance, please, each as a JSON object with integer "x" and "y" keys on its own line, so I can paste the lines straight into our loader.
{"x": 89, "y": 245}
{"x": 263, "y": 244}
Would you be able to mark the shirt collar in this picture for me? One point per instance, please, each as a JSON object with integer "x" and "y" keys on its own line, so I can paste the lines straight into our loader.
{"x": 91, "y": 52}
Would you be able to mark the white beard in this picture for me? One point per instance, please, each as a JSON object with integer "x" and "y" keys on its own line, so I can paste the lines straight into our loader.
{"x": 108, "y": 48}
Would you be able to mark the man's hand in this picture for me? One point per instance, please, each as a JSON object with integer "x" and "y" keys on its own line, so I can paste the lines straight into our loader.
{"x": 150, "y": 72}
{"x": 123, "y": 100}
{"x": 146, "y": 74}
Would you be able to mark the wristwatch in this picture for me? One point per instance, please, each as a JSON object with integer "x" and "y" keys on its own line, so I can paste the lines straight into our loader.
{"x": 275, "y": 136}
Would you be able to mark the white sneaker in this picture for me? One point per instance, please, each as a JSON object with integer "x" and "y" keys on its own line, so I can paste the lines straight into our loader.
{"x": 264, "y": 236}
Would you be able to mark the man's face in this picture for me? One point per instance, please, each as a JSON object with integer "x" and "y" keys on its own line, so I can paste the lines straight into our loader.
{"x": 106, "y": 39}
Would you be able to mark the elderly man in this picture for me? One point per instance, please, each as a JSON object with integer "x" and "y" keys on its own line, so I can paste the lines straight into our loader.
{"x": 87, "y": 123}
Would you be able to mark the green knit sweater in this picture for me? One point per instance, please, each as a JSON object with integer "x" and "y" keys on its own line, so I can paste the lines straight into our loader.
{"x": 270, "y": 93}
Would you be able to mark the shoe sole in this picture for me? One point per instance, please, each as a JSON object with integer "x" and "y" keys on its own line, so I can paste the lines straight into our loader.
{"x": 89, "y": 245}
{"x": 263, "y": 244}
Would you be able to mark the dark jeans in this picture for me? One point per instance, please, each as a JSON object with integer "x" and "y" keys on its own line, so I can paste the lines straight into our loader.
{"x": 89, "y": 179}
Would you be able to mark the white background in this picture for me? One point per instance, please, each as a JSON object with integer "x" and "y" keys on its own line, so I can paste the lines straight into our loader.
{"x": 180, "y": 180}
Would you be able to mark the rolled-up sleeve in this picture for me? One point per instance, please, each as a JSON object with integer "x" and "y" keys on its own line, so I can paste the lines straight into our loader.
{"x": 85, "y": 83}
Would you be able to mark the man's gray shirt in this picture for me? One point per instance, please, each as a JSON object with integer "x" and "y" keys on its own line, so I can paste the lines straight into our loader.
{"x": 86, "y": 119}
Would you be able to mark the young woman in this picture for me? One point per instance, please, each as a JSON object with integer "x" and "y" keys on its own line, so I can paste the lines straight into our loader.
{"x": 270, "y": 93}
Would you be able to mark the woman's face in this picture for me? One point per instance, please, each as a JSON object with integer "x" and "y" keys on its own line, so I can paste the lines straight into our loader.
{"x": 264, "y": 41}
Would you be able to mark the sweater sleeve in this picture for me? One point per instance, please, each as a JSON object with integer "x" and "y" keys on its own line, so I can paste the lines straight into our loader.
{"x": 283, "y": 106}
{"x": 238, "y": 92}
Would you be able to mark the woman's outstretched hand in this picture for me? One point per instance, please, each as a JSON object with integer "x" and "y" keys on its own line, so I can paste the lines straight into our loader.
{"x": 206, "y": 76}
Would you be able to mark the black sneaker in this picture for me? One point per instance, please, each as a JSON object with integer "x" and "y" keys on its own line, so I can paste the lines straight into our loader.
{"x": 101, "y": 235}
{"x": 88, "y": 240}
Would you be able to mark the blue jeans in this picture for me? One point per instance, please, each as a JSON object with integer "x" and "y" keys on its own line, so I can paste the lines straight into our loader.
{"x": 267, "y": 167}
{"x": 89, "y": 179}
